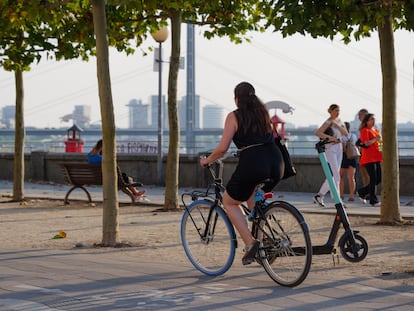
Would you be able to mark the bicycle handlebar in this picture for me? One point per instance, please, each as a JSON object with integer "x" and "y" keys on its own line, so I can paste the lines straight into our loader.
{"x": 234, "y": 154}
{"x": 219, "y": 161}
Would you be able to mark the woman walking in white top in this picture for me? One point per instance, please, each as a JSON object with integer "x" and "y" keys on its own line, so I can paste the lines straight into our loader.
{"x": 332, "y": 129}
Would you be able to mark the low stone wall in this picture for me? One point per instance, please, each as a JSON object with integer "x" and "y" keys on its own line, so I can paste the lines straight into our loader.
{"x": 43, "y": 166}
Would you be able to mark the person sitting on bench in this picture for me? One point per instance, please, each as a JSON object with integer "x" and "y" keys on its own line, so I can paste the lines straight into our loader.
{"x": 95, "y": 157}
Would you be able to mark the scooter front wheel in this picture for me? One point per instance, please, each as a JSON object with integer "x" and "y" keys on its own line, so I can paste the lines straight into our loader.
{"x": 353, "y": 250}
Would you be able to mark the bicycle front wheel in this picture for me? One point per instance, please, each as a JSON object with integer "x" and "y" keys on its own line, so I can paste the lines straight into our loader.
{"x": 286, "y": 249}
{"x": 208, "y": 237}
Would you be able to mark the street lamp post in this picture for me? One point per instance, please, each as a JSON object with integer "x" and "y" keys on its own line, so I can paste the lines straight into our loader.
{"x": 160, "y": 36}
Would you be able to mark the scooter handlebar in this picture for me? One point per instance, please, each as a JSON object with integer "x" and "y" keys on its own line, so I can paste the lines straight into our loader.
{"x": 320, "y": 145}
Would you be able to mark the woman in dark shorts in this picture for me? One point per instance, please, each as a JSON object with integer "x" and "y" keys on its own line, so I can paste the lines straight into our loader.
{"x": 348, "y": 167}
{"x": 249, "y": 127}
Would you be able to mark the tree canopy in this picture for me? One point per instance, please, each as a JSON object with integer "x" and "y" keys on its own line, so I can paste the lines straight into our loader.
{"x": 356, "y": 19}
{"x": 349, "y": 18}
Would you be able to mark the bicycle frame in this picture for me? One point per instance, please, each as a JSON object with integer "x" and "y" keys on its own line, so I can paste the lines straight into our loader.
{"x": 217, "y": 184}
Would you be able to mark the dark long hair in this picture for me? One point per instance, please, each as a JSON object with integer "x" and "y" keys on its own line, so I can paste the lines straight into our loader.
{"x": 365, "y": 120}
{"x": 252, "y": 113}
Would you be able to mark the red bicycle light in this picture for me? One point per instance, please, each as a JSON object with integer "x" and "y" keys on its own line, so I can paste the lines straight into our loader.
{"x": 268, "y": 195}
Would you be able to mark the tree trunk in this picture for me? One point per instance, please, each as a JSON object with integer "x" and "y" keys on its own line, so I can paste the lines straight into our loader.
{"x": 109, "y": 174}
{"x": 19, "y": 132}
{"x": 390, "y": 200}
{"x": 171, "y": 176}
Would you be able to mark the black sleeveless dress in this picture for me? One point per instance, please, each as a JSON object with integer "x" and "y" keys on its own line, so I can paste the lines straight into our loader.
{"x": 256, "y": 163}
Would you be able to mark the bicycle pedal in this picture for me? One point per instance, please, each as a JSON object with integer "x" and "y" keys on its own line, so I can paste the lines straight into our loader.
{"x": 247, "y": 261}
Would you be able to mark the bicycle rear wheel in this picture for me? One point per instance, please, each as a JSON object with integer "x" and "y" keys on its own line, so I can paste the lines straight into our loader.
{"x": 208, "y": 237}
{"x": 286, "y": 248}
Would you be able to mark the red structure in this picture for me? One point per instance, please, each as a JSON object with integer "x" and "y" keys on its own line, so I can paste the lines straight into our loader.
{"x": 73, "y": 142}
{"x": 276, "y": 121}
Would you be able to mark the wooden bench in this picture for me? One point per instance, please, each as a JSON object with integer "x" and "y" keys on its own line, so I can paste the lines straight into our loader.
{"x": 81, "y": 174}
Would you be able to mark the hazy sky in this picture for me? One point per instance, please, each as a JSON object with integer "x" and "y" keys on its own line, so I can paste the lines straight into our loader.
{"x": 309, "y": 74}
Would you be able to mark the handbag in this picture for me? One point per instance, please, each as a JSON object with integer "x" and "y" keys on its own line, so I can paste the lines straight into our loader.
{"x": 289, "y": 167}
{"x": 351, "y": 151}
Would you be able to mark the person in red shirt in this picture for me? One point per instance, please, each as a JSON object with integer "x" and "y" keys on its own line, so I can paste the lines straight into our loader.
{"x": 371, "y": 157}
{"x": 362, "y": 172}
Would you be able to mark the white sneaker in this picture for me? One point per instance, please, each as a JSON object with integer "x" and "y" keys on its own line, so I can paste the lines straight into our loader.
{"x": 318, "y": 199}
{"x": 363, "y": 201}
{"x": 145, "y": 199}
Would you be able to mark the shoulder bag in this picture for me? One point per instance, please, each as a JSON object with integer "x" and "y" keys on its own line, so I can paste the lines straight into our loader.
{"x": 351, "y": 151}
{"x": 289, "y": 167}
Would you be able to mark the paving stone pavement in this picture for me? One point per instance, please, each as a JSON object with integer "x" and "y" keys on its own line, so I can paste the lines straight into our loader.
{"x": 44, "y": 279}
{"x": 114, "y": 279}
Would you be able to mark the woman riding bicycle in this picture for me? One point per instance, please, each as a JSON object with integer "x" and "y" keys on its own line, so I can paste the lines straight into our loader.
{"x": 250, "y": 128}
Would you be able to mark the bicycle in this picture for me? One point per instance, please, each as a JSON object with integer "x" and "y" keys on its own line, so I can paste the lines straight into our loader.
{"x": 209, "y": 238}
{"x": 353, "y": 247}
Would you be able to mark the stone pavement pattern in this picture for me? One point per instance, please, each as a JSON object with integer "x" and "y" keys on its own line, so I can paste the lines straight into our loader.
{"x": 40, "y": 279}
{"x": 157, "y": 276}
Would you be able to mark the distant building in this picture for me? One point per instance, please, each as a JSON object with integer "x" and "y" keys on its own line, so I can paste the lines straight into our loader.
{"x": 182, "y": 113}
{"x": 407, "y": 126}
{"x": 138, "y": 114}
{"x": 213, "y": 116}
{"x": 8, "y": 116}
{"x": 81, "y": 116}
{"x": 1, "y": 119}
{"x": 154, "y": 112}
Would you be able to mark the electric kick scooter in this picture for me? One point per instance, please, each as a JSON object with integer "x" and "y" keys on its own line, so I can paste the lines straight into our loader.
{"x": 353, "y": 247}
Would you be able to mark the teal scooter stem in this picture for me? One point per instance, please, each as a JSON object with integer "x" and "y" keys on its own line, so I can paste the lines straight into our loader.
{"x": 328, "y": 173}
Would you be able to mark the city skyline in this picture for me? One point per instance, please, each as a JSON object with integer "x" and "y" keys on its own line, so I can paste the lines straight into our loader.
{"x": 141, "y": 117}
{"x": 309, "y": 74}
